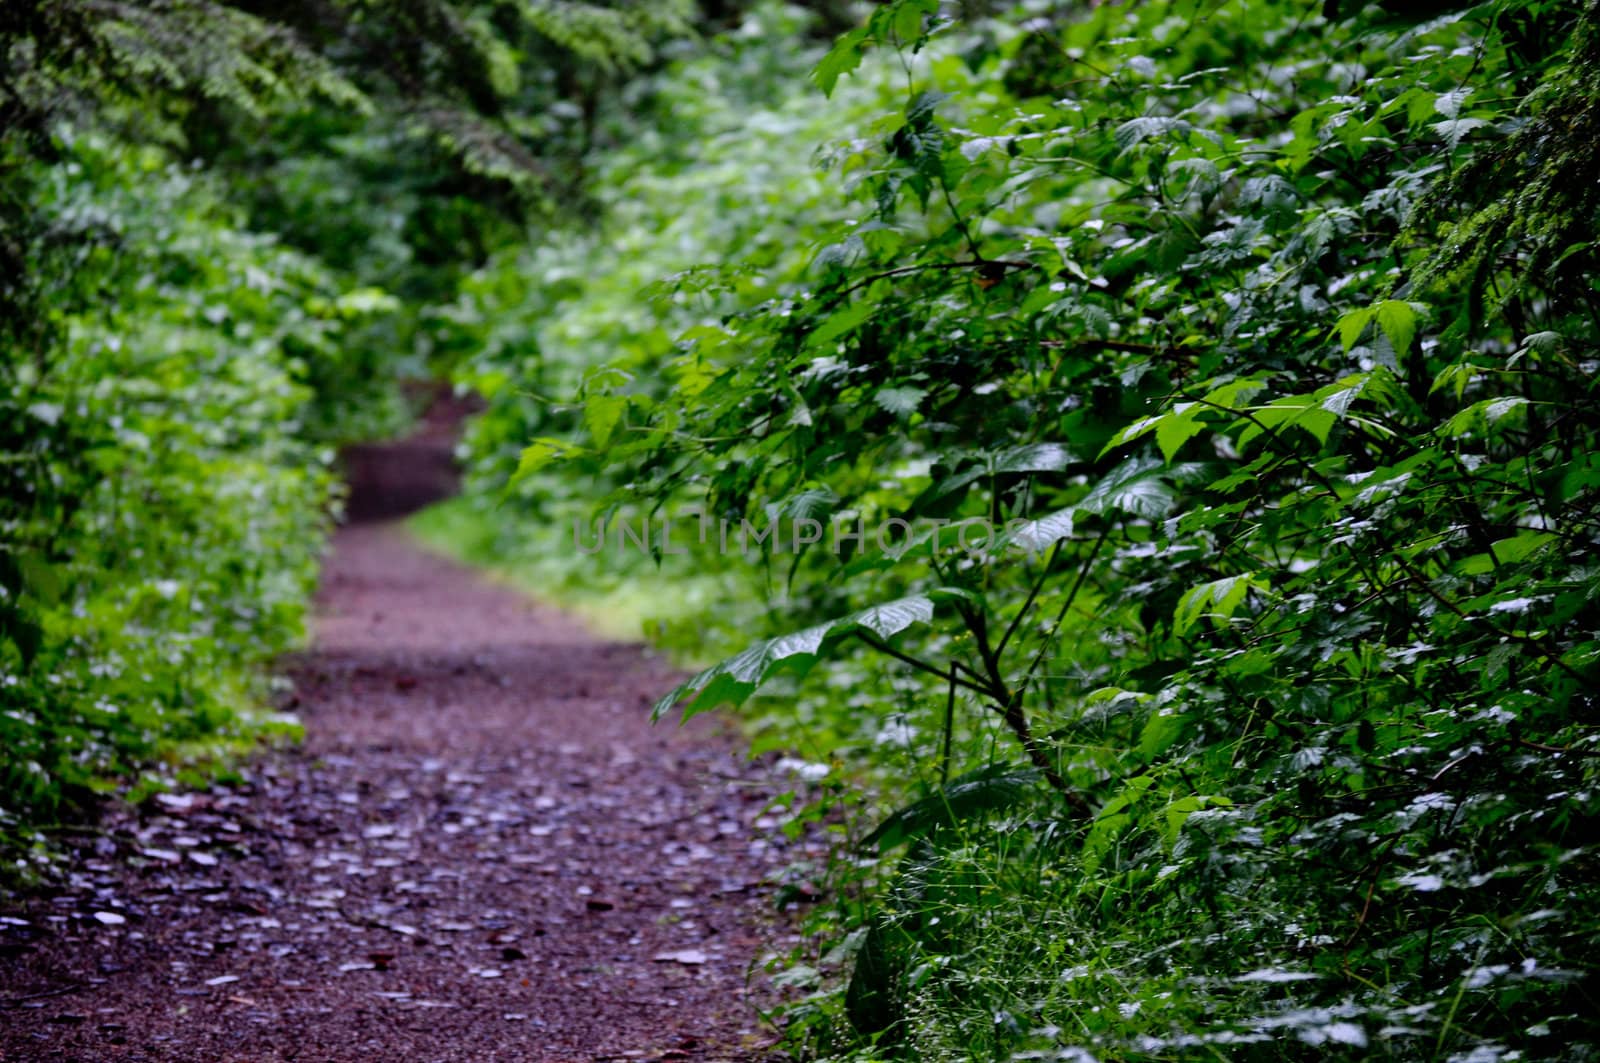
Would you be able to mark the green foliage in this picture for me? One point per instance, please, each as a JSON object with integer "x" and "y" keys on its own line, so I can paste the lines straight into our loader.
{"x": 161, "y": 518}
{"x": 221, "y": 227}
{"x": 1260, "y": 350}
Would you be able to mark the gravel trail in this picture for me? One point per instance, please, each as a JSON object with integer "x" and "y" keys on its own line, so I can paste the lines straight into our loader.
{"x": 482, "y": 851}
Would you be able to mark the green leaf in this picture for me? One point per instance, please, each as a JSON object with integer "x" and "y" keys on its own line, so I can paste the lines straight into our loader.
{"x": 601, "y": 414}
{"x": 1219, "y": 599}
{"x": 1352, "y": 325}
{"x": 1045, "y": 531}
{"x": 542, "y": 453}
{"x": 1180, "y": 810}
{"x": 1161, "y": 730}
{"x": 1482, "y": 415}
{"x": 992, "y": 788}
{"x": 840, "y": 322}
{"x": 900, "y": 401}
{"x": 40, "y": 577}
{"x": 843, "y": 57}
{"x": 735, "y": 679}
{"x": 1138, "y": 429}
{"x": 1032, "y": 457}
{"x": 1398, "y": 320}
{"x": 908, "y": 22}
{"x": 1028, "y": 458}
{"x": 1521, "y": 546}
{"x": 1135, "y": 487}
{"x": 1178, "y": 425}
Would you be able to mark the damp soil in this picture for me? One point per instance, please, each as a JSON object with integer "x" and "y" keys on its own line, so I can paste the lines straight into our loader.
{"x": 482, "y": 850}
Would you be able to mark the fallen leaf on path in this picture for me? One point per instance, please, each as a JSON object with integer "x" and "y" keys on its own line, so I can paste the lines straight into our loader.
{"x": 688, "y": 957}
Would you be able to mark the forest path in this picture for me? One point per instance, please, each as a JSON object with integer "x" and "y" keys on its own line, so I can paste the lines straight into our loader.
{"x": 482, "y": 851}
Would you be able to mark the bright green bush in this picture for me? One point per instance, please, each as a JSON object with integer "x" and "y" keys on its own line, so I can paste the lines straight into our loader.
{"x": 162, "y": 510}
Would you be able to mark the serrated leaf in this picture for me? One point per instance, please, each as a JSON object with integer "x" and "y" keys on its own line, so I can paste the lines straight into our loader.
{"x": 1453, "y": 129}
{"x": 901, "y": 401}
{"x": 1449, "y": 103}
{"x": 601, "y": 414}
{"x": 1482, "y": 415}
{"x": 1352, "y": 325}
{"x": 843, "y": 57}
{"x": 1032, "y": 457}
{"x": 1045, "y": 531}
{"x": 1178, "y": 425}
{"x": 1336, "y": 398}
{"x": 1235, "y": 393}
{"x": 1142, "y": 427}
{"x": 811, "y": 504}
{"x": 1521, "y": 546}
{"x": 1398, "y": 320}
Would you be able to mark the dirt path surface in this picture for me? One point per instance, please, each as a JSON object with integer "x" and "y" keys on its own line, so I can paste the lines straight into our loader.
{"x": 482, "y": 851}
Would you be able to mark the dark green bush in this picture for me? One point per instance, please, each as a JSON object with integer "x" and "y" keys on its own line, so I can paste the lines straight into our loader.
{"x": 1265, "y": 346}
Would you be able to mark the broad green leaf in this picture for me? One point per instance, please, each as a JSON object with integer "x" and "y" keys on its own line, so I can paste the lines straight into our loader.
{"x": 1178, "y": 425}
{"x": 843, "y": 57}
{"x": 840, "y": 322}
{"x": 1482, "y": 415}
{"x": 1032, "y": 457}
{"x": 908, "y": 22}
{"x": 1235, "y": 393}
{"x": 1135, "y": 487}
{"x": 1352, "y": 325}
{"x": 735, "y": 679}
{"x": 1043, "y": 532}
{"x": 1316, "y": 414}
{"x": 1218, "y": 599}
{"x": 1161, "y": 730}
{"x": 1521, "y": 546}
{"x": 1142, "y": 427}
{"x": 1398, "y": 320}
{"x": 601, "y": 414}
{"x": 993, "y": 788}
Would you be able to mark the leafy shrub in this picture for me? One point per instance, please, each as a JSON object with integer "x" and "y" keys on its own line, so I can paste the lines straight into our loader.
{"x": 1260, "y": 351}
{"x": 163, "y": 511}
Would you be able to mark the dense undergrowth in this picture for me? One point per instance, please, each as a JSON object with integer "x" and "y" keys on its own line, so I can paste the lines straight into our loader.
{"x": 162, "y": 516}
{"x": 221, "y": 232}
{"x": 1152, "y": 445}
{"x": 1229, "y": 371}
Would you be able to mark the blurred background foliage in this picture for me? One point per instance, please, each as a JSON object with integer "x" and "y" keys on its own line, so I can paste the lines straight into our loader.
{"x": 1267, "y": 730}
